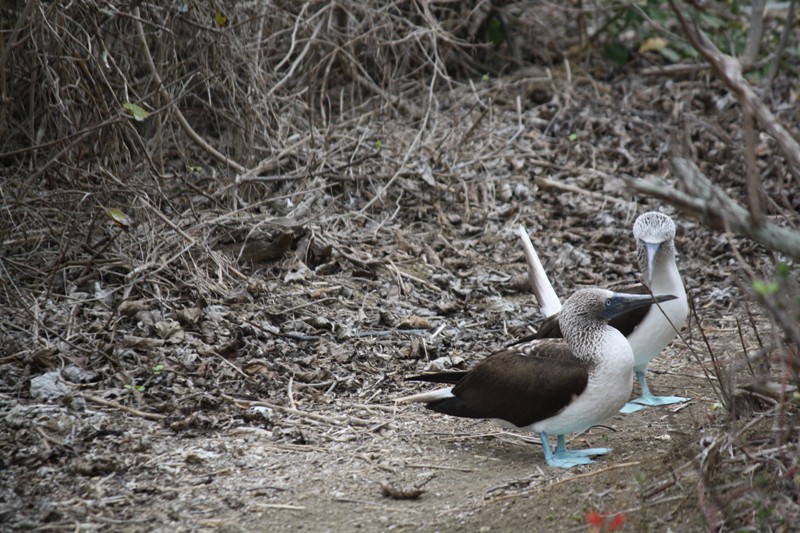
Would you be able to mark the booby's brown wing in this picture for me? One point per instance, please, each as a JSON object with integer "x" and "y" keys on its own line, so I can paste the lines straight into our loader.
{"x": 521, "y": 385}
{"x": 548, "y": 329}
{"x": 625, "y": 323}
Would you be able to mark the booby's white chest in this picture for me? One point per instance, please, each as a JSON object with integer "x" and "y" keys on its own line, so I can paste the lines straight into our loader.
{"x": 659, "y": 326}
{"x": 609, "y": 387}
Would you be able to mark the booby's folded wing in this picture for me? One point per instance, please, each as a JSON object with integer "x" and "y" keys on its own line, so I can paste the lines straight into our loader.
{"x": 521, "y": 385}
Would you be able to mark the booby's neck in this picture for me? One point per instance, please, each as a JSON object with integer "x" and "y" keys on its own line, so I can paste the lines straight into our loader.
{"x": 585, "y": 335}
{"x": 658, "y": 327}
{"x": 665, "y": 275}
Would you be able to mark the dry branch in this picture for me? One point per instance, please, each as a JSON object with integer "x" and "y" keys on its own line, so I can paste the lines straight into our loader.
{"x": 548, "y": 184}
{"x": 730, "y": 71}
{"x": 712, "y": 206}
{"x": 129, "y": 410}
{"x": 754, "y": 32}
{"x": 333, "y": 420}
{"x": 702, "y": 198}
{"x": 165, "y": 95}
{"x": 784, "y": 41}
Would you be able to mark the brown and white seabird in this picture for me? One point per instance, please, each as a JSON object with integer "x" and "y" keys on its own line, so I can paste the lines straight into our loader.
{"x": 551, "y": 386}
{"x": 648, "y": 329}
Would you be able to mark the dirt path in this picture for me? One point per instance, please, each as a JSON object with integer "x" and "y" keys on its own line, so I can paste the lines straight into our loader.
{"x": 138, "y": 476}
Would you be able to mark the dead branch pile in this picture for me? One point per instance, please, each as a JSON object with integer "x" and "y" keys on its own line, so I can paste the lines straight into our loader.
{"x": 245, "y": 106}
{"x": 155, "y": 156}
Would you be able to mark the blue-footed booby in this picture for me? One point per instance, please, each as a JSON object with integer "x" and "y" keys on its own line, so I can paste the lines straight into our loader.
{"x": 648, "y": 329}
{"x": 551, "y": 386}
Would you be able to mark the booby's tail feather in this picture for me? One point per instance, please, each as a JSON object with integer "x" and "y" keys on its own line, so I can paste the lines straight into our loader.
{"x": 542, "y": 289}
{"x": 428, "y": 397}
{"x": 452, "y": 377}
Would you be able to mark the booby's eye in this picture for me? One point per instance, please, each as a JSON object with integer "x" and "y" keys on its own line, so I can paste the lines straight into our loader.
{"x": 608, "y": 302}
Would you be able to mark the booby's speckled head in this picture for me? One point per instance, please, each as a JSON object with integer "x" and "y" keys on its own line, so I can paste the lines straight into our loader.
{"x": 588, "y": 304}
{"x": 654, "y": 233}
{"x": 590, "y": 309}
{"x": 653, "y": 228}
{"x": 595, "y": 304}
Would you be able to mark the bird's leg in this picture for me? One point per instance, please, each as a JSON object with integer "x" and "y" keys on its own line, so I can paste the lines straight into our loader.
{"x": 561, "y": 450}
{"x": 647, "y": 397}
{"x": 559, "y": 459}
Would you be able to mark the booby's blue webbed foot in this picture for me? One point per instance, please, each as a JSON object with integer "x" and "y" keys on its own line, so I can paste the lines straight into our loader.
{"x": 648, "y": 399}
{"x": 631, "y": 407}
{"x": 659, "y": 400}
{"x": 587, "y": 452}
{"x": 561, "y": 450}
{"x": 559, "y": 461}
{"x": 563, "y": 458}
{"x": 652, "y": 401}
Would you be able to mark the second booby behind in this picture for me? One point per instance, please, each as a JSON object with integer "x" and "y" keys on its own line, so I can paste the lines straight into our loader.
{"x": 648, "y": 329}
{"x": 551, "y": 386}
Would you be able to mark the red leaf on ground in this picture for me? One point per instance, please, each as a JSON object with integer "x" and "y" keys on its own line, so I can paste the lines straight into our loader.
{"x": 617, "y": 522}
{"x": 594, "y": 518}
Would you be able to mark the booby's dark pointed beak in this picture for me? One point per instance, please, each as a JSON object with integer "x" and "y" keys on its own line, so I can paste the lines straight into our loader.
{"x": 652, "y": 249}
{"x": 620, "y": 303}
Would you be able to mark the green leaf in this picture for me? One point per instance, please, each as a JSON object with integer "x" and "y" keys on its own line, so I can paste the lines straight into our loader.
{"x": 684, "y": 49}
{"x": 654, "y": 11}
{"x": 485, "y": 77}
{"x": 221, "y": 19}
{"x": 631, "y": 17}
{"x": 765, "y": 288}
{"x": 617, "y": 52}
{"x": 118, "y": 217}
{"x": 157, "y": 369}
{"x": 139, "y": 114}
{"x": 572, "y": 137}
{"x": 782, "y": 268}
{"x": 496, "y": 33}
{"x": 378, "y": 145}
{"x": 711, "y": 21}
{"x": 670, "y": 54}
